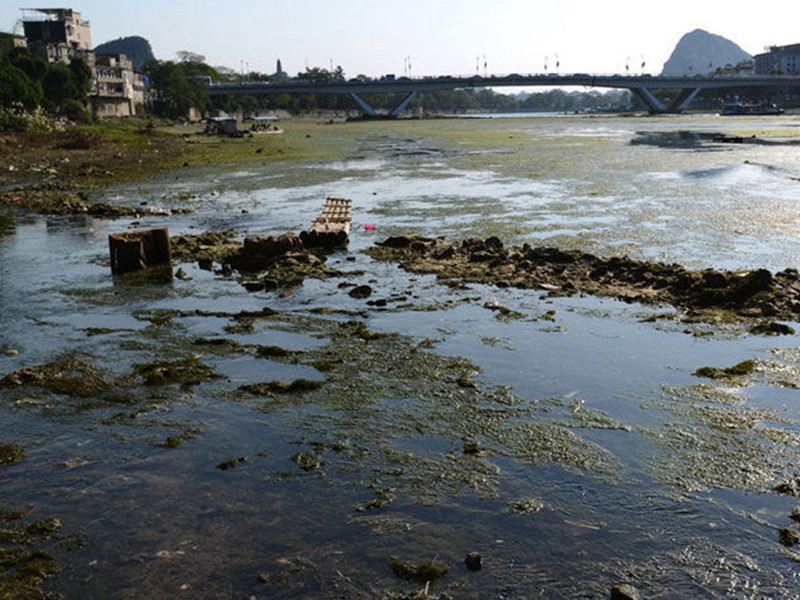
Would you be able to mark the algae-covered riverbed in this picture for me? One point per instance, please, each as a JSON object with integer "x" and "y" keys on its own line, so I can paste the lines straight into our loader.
{"x": 365, "y": 430}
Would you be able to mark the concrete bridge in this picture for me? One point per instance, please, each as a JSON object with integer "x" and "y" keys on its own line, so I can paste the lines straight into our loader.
{"x": 642, "y": 86}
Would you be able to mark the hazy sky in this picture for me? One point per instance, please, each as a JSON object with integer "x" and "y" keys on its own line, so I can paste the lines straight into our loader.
{"x": 432, "y": 36}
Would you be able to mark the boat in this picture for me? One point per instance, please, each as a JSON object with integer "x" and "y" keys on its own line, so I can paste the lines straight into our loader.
{"x": 750, "y": 108}
{"x": 265, "y": 125}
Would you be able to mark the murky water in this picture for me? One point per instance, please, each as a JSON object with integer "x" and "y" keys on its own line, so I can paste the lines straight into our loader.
{"x": 606, "y": 460}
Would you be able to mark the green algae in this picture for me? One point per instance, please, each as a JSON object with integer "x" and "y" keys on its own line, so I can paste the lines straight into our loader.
{"x": 24, "y": 564}
{"x": 70, "y": 375}
{"x": 230, "y": 464}
{"x": 298, "y": 386}
{"x": 207, "y": 247}
{"x": 272, "y": 352}
{"x": 746, "y": 367}
{"x": 715, "y": 440}
{"x": 307, "y": 460}
{"x": 174, "y": 441}
{"x": 524, "y": 506}
{"x": 11, "y": 453}
{"x": 186, "y": 372}
{"x": 428, "y": 571}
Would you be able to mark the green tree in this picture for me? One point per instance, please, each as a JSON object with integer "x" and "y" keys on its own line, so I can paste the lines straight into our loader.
{"x": 17, "y": 88}
{"x": 59, "y": 86}
{"x": 82, "y": 75}
{"x": 176, "y": 89}
{"x": 33, "y": 66}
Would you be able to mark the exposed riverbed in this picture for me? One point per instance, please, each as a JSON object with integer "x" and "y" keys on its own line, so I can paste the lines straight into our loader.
{"x": 195, "y": 439}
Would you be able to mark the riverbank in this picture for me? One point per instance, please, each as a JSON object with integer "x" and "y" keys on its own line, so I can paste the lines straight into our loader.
{"x": 88, "y": 158}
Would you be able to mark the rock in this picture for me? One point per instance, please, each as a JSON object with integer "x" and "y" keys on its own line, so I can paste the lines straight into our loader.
{"x": 772, "y": 328}
{"x": 624, "y": 591}
{"x": 789, "y": 537}
{"x": 400, "y": 241}
{"x": 260, "y": 252}
{"x": 360, "y": 292}
{"x": 206, "y": 264}
{"x": 253, "y": 286}
{"x": 473, "y": 561}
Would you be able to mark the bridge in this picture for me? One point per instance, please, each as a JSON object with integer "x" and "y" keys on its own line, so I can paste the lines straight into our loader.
{"x": 642, "y": 86}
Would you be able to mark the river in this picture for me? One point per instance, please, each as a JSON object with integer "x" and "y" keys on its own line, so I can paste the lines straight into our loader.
{"x": 567, "y": 440}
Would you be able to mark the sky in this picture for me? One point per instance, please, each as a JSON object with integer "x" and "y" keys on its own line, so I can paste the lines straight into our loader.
{"x": 429, "y": 37}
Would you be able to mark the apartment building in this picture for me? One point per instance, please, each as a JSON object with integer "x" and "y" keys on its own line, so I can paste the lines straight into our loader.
{"x": 781, "y": 60}
{"x": 57, "y": 34}
{"x": 118, "y": 90}
{"x": 60, "y": 34}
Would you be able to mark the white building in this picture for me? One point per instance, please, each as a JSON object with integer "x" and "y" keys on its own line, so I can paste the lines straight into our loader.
{"x": 780, "y": 60}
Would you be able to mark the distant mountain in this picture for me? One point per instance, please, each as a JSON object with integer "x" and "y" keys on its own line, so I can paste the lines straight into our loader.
{"x": 700, "y": 52}
{"x": 134, "y": 47}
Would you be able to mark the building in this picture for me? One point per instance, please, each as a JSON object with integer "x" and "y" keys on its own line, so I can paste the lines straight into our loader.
{"x": 58, "y": 34}
{"x": 780, "y": 60}
{"x": 11, "y": 40}
{"x": 118, "y": 89}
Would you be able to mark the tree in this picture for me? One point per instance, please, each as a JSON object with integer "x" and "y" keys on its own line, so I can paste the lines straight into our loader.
{"x": 176, "y": 89}
{"x": 17, "y": 88}
{"x": 82, "y": 74}
{"x": 59, "y": 86}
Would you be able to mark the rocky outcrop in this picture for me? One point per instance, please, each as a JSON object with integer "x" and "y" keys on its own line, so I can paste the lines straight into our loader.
{"x": 700, "y": 52}
{"x": 756, "y": 293}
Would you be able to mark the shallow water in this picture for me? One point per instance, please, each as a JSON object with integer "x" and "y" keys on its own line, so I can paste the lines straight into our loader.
{"x": 607, "y": 462}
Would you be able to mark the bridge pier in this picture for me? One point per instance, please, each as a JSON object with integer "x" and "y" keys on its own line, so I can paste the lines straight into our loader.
{"x": 403, "y": 104}
{"x": 656, "y": 106}
{"x": 683, "y": 99}
{"x": 370, "y": 111}
{"x": 365, "y": 106}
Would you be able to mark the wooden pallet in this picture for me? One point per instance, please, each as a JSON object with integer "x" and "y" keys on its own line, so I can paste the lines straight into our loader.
{"x": 331, "y": 228}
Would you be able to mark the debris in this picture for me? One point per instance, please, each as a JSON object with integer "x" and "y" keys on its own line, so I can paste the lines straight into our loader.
{"x": 139, "y": 250}
{"x": 332, "y": 228}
